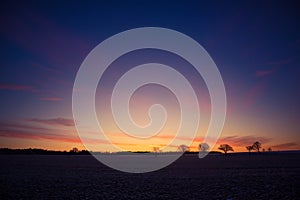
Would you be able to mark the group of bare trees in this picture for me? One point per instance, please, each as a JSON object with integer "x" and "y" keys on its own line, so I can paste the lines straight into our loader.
{"x": 256, "y": 146}
{"x": 204, "y": 147}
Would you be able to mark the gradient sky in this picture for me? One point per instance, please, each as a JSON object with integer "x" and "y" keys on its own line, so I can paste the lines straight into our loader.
{"x": 255, "y": 44}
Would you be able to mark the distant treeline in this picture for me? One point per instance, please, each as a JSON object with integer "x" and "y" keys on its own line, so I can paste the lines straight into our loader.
{"x": 75, "y": 151}
{"x": 41, "y": 152}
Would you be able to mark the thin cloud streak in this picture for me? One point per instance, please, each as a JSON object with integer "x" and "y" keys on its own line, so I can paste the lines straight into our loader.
{"x": 281, "y": 62}
{"x": 62, "y": 48}
{"x": 16, "y": 87}
{"x": 51, "y": 99}
{"x": 241, "y": 141}
{"x": 54, "y": 121}
{"x": 255, "y": 92}
{"x": 37, "y": 136}
{"x": 48, "y": 136}
{"x": 25, "y": 131}
{"x": 262, "y": 73}
{"x": 13, "y": 126}
{"x": 288, "y": 145}
{"x": 11, "y": 130}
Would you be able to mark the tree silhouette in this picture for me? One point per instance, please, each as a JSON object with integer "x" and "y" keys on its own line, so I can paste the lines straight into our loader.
{"x": 225, "y": 148}
{"x": 155, "y": 150}
{"x": 269, "y": 149}
{"x": 74, "y": 150}
{"x": 183, "y": 148}
{"x": 256, "y": 146}
{"x": 249, "y": 148}
{"x": 203, "y": 147}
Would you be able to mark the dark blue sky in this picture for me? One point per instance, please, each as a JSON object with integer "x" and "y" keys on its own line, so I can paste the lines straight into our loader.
{"x": 255, "y": 44}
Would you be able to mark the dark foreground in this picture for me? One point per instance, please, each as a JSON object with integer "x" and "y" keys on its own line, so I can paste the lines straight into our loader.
{"x": 214, "y": 177}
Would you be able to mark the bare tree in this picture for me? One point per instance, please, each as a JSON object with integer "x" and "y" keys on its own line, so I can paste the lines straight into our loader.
{"x": 203, "y": 147}
{"x": 74, "y": 150}
{"x": 249, "y": 148}
{"x": 256, "y": 146}
{"x": 225, "y": 148}
{"x": 183, "y": 148}
{"x": 155, "y": 150}
{"x": 269, "y": 149}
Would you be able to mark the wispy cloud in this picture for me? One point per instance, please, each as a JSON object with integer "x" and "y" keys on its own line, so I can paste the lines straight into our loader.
{"x": 17, "y": 87}
{"x": 13, "y": 126}
{"x": 38, "y": 136}
{"x": 54, "y": 121}
{"x": 38, "y": 30}
{"x": 262, "y": 73}
{"x": 236, "y": 140}
{"x": 288, "y": 145}
{"x": 281, "y": 62}
{"x": 255, "y": 92}
{"x": 51, "y": 99}
{"x": 33, "y": 132}
{"x": 45, "y": 68}
{"x": 259, "y": 87}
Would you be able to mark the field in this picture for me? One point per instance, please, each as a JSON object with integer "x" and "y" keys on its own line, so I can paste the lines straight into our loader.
{"x": 265, "y": 176}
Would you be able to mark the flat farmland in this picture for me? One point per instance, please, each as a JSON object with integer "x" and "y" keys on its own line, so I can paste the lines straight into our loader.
{"x": 235, "y": 176}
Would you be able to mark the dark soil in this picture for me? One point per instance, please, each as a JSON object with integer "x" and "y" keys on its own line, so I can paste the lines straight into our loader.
{"x": 274, "y": 176}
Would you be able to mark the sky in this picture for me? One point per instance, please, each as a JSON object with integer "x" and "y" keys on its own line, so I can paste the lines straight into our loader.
{"x": 255, "y": 45}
